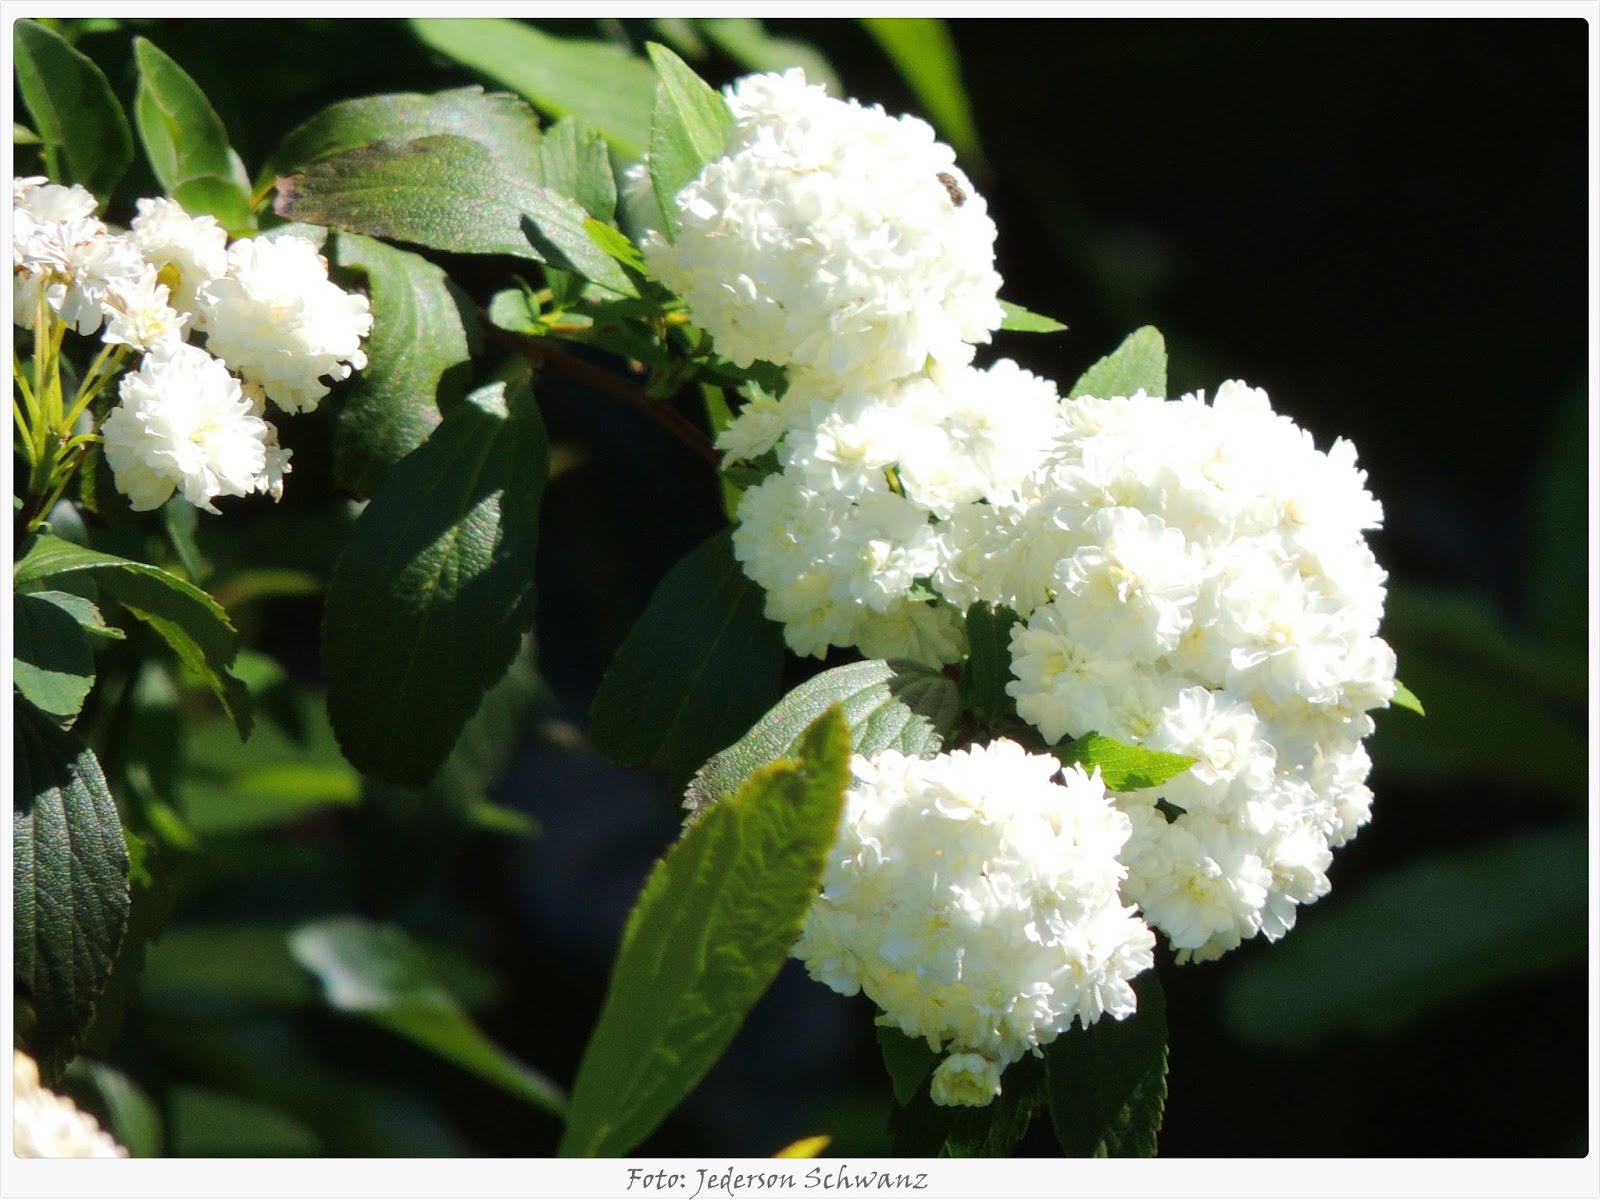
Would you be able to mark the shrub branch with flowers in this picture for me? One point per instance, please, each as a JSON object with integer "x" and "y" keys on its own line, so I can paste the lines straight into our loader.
{"x": 1119, "y": 650}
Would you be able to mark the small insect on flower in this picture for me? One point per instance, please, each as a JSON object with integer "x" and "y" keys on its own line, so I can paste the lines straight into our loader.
{"x": 952, "y": 188}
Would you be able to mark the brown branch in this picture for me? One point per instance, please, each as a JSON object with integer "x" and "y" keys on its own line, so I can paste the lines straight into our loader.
{"x": 542, "y": 353}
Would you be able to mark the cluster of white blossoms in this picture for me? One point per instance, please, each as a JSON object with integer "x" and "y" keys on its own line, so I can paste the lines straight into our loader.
{"x": 1190, "y": 577}
{"x": 974, "y": 896}
{"x": 190, "y": 420}
{"x": 45, "y": 1125}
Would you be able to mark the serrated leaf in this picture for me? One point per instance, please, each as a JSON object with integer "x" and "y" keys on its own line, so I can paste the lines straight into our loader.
{"x": 1431, "y": 934}
{"x": 424, "y": 335}
{"x": 1404, "y": 697}
{"x": 747, "y": 42}
{"x": 212, "y": 195}
{"x": 1019, "y": 320}
{"x": 447, "y": 193}
{"x": 183, "y": 136}
{"x": 698, "y": 667}
{"x": 714, "y": 924}
{"x": 1124, "y": 768}
{"x": 191, "y": 622}
{"x": 1138, "y": 364}
{"x": 988, "y": 667}
{"x": 689, "y": 126}
{"x": 900, "y": 706}
{"x": 432, "y": 594}
{"x": 1108, "y": 1083}
{"x": 924, "y": 52}
{"x": 69, "y": 883}
{"x": 377, "y": 972}
{"x": 53, "y": 666}
{"x": 598, "y": 81}
{"x": 908, "y": 1061}
{"x": 577, "y": 165}
{"x": 84, "y": 130}
{"x": 502, "y": 123}
{"x": 84, "y": 611}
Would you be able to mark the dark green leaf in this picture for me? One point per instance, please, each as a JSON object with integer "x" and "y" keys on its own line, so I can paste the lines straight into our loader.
{"x": 84, "y": 611}
{"x": 747, "y": 42}
{"x": 433, "y": 592}
{"x": 716, "y": 920}
{"x": 1124, "y": 768}
{"x": 377, "y": 972}
{"x": 69, "y": 883}
{"x": 900, "y": 706}
{"x": 923, "y": 51}
{"x": 448, "y": 193}
{"x": 501, "y": 123}
{"x": 688, "y": 128}
{"x": 1558, "y": 524}
{"x": 1139, "y": 364}
{"x": 1108, "y": 1083}
{"x": 191, "y": 622}
{"x": 183, "y": 136}
{"x": 1020, "y": 320}
{"x": 699, "y": 666}
{"x": 53, "y": 665}
{"x": 1429, "y": 935}
{"x": 577, "y": 165}
{"x": 219, "y": 197}
{"x": 988, "y": 666}
{"x": 85, "y": 133}
{"x": 424, "y": 334}
{"x": 908, "y": 1060}
{"x": 212, "y": 1124}
{"x": 598, "y": 81}
{"x": 129, "y": 1115}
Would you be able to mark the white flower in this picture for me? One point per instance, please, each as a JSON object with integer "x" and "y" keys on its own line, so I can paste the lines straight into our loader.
{"x": 965, "y": 1079}
{"x": 45, "y": 1125}
{"x": 60, "y": 250}
{"x": 137, "y": 312}
{"x": 277, "y": 320}
{"x": 188, "y": 251}
{"x": 184, "y": 424}
{"x": 831, "y": 237}
{"x": 974, "y": 898}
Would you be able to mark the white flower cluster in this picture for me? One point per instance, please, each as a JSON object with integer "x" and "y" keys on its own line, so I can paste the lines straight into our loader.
{"x": 45, "y": 1125}
{"x": 191, "y": 420}
{"x": 974, "y": 897}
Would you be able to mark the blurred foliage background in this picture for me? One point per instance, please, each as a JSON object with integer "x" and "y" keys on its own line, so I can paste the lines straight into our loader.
{"x": 1382, "y": 222}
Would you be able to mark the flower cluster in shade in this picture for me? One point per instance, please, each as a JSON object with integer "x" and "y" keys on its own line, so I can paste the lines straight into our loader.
{"x": 974, "y": 897}
{"x": 46, "y": 1125}
{"x": 224, "y": 331}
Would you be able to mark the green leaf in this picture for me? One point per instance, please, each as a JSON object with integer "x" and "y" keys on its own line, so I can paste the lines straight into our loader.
{"x": 1404, "y": 697}
{"x": 513, "y": 309}
{"x": 615, "y": 245}
{"x": 435, "y": 588}
{"x": 688, "y": 128}
{"x": 1020, "y": 320}
{"x": 900, "y": 706}
{"x": 988, "y": 665}
{"x": 216, "y": 196}
{"x": 716, "y": 920}
{"x": 1108, "y": 1083}
{"x": 1124, "y": 768}
{"x": 1428, "y": 935}
{"x": 191, "y": 622}
{"x": 183, "y": 136}
{"x": 53, "y": 665}
{"x": 272, "y": 780}
{"x": 501, "y": 123}
{"x": 84, "y": 611}
{"x": 924, "y": 53}
{"x": 376, "y": 972}
{"x": 212, "y": 1124}
{"x": 85, "y": 132}
{"x": 577, "y": 165}
{"x": 598, "y": 81}
{"x": 447, "y": 193}
{"x": 747, "y": 42}
{"x": 129, "y": 1115}
{"x": 908, "y": 1060}
{"x": 69, "y": 884}
{"x": 699, "y": 666}
{"x": 1139, "y": 364}
{"x": 424, "y": 335}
